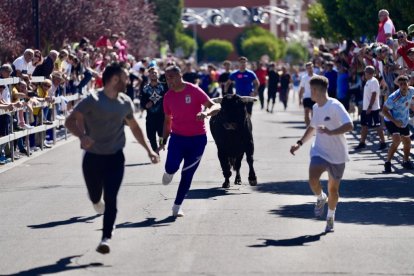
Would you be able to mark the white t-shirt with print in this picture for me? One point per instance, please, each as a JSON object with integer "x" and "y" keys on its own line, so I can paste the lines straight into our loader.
{"x": 371, "y": 86}
{"x": 332, "y": 148}
{"x": 304, "y": 82}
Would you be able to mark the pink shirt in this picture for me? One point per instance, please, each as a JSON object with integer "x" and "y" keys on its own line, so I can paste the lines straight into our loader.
{"x": 183, "y": 108}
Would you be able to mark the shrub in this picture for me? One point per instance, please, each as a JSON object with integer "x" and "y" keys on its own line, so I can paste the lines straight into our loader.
{"x": 217, "y": 50}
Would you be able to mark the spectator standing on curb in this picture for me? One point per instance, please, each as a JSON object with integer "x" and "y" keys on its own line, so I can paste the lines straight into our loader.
{"x": 370, "y": 115}
{"x": 305, "y": 92}
{"x": 329, "y": 151}
{"x": 396, "y": 112}
{"x": 98, "y": 121}
{"x": 184, "y": 123}
{"x": 404, "y": 46}
{"x": 386, "y": 28}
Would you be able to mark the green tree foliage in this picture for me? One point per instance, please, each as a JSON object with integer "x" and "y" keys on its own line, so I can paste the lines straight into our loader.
{"x": 354, "y": 18}
{"x": 185, "y": 43}
{"x": 274, "y": 47}
{"x": 255, "y": 47}
{"x": 253, "y": 31}
{"x": 217, "y": 50}
{"x": 296, "y": 53}
{"x": 318, "y": 21}
{"x": 169, "y": 20}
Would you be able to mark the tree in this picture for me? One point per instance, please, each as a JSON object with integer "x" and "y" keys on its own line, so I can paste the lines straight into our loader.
{"x": 353, "y": 18}
{"x": 253, "y": 31}
{"x": 296, "y": 53}
{"x": 169, "y": 20}
{"x": 66, "y": 20}
{"x": 318, "y": 21}
{"x": 256, "y": 47}
{"x": 185, "y": 43}
{"x": 217, "y": 50}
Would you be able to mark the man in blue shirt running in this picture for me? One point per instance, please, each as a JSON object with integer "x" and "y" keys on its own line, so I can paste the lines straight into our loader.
{"x": 396, "y": 113}
{"x": 246, "y": 83}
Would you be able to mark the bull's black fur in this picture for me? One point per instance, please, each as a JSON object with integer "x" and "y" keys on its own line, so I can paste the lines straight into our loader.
{"x": 232, "y": 131}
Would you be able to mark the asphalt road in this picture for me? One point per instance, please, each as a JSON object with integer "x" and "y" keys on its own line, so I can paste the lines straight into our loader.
{"x": 48, "y": 225}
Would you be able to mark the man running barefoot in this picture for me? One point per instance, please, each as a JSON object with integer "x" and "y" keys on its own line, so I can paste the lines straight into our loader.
{"x": 329, "y": 151}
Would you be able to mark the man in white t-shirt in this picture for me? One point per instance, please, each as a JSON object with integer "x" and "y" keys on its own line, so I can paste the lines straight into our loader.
{"x": 21, "y": 64}
{"x": 370, "y": 115}
{"x": 329, "y": 151}
{"x": 305, "y": 92}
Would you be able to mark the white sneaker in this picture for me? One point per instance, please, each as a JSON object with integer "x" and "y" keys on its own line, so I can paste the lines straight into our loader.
{"x": 60, "y": 117}
{"x": 103, "y": 246}
{"x": 34, "y": 148}
{"x": 167, "y": 178}
{"x": 177, "y": 211}
{"x": 99, "y": 207}
{"x": 47, "y": 144}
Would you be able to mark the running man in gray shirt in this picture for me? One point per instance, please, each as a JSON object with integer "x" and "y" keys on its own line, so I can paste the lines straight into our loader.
{"x": 99, "y": 121}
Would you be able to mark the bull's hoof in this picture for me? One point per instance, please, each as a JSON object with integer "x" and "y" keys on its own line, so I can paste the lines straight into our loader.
{"x": 253, "y": 182}
{"x": 226, "y": 185}
{"x": 237, "y": 181}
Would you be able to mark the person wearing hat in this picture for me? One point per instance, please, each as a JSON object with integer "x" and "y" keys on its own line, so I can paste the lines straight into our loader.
{"x": 396, "y": 116}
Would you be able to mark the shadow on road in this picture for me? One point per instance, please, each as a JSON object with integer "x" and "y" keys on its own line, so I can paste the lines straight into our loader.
{"x": 148, "y": 222}
{"x": 212, "y": 192}
{"x": 64, "y": 222}
{"x": 382, "y": 201}
{"x": 366, "y": 213}
{"x": 299, "y": 241}
{"x": 60, "y": 266}
{"x": 384, "y": 187}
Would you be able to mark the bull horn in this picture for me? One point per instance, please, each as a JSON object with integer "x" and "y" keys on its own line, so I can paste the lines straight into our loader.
{"x": 248, "y": 99}
{"x": 217, "y": 100}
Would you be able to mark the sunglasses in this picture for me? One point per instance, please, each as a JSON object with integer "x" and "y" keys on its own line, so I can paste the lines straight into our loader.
{"x": 401, "y": 36}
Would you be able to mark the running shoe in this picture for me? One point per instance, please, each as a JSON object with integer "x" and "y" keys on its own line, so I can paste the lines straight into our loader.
{"x": 329, "y": 225}
{"x": 103, "y": 246}
{"x": 387, "y": 167}
{"x": 177, "y": 211}
{"x": 320, "y": 206}
{"x": 407, "y": 165}
{"x": 167, "y": 178}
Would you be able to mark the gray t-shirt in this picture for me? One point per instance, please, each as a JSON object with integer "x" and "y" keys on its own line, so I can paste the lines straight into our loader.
{"x": 104, "y": 121}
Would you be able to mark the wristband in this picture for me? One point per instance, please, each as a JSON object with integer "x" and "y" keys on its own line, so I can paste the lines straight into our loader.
{"x": 299, "y": 142}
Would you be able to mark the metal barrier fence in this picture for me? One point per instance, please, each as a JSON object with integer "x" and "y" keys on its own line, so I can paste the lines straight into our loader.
{"x": 42, "y": 128}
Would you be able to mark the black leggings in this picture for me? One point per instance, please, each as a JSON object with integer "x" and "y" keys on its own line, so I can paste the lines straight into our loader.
{"x": 104, "y": 173}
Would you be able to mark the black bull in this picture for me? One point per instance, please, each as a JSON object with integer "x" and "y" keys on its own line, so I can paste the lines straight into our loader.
{"x": 232, "y": 131}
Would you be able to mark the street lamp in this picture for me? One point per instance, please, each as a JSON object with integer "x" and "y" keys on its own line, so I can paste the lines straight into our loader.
{"x": 189, "y": 17}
